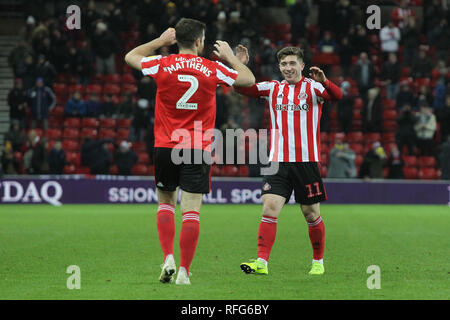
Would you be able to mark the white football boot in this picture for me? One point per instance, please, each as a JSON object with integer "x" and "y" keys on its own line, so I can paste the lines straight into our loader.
{"x": 168, "y": 269}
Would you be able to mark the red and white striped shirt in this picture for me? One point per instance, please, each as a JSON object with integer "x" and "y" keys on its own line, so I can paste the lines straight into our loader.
{"x": 295, "y": 111}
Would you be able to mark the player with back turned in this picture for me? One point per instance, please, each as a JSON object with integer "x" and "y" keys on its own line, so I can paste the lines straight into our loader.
{"x": 186, "y": 92}
{"x": 295, "y": 110}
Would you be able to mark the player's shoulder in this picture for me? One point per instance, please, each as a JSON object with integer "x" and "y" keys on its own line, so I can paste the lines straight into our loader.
{"x": 314, "y": 83}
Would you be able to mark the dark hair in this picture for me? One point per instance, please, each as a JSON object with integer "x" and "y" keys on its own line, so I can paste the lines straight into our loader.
{"x": 187, "y": 31}
{"x": 290, "y": 51}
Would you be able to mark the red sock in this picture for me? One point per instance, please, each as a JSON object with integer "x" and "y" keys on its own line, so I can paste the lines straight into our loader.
{"x": 165, "y": 223}
{"x": 266, "y": 236}
{"x": 317, "y": 237}
{"x": 190, "y": 229}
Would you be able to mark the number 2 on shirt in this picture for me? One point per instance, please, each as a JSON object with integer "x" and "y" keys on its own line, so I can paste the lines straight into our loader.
{"x": 183, "y": 103}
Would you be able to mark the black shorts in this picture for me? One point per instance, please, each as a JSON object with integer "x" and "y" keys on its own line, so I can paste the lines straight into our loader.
{"x": 302, "y": 177}
{"x": 190, "y": 177}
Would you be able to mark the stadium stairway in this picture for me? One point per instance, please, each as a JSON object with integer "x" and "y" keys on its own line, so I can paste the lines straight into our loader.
{"x": 7, "y": 43}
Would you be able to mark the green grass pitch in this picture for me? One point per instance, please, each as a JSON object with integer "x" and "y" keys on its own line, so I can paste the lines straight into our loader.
{"x": 118, "y": 252}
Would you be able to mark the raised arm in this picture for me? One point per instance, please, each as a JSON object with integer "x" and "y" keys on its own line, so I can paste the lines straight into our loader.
{"x": 245, "y": 77}
{"x": 328, "y": 90}
{"x": 134, "y": 57}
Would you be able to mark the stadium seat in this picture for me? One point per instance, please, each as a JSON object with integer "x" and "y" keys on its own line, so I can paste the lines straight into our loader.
{"x": 107, "y": 123}
{"x": 70, "y": 145}
{"x": 110, "y": 147}
{"x": 390, "y": 125}
{"x": 73, "y": 158}
{"x": 128, "y": 78}
{"x": 139, "y": 146}
{"x": 406, "y": 72}
{"x": 90, "y": 123}
{"x": 38, "y": 131}
{"x": 410, "y": 161}
{"x": 357, "y": 147}
{"x": 139, "y": 169}
{"x": 112, "y": 78}
{"x": 143, "y": 158}
{"x": 388, "y": 137}
{"x": 389, "y": 103}
{"x": 83, "y": 170}
{"x": 113, "y": 170}
{"x": 359, "y": 160}
{"x": 389, "y": 114}
{"x": 357, "y": 115}
{"x": 244, "y": 171}
{"x": 111, "y": 89}
{"x": 216, "y": 171}
{"x": 123, "y": 134}
{"x": 323, "y": 171}
{"x": 98, "y": 79}
{"x": 427, "y": 173}
{"x": 70, "y": 133}
{"x": 55, "y": 122}
{"x": 69, "y": 169}
{"x": 426, "y": 162}
{"x": 123, "y": 123}
{"x": 88, "y": 132}
{"x": 53, "y": 134}
{"x": 324, "y": 159}
{"x": 106, "y": 133}
{"x": 230, "y": 170}
{"x": 355, "y": 137}
{"x": 60, "y": 90}
{"x": 410, "y": 172}
{"x": 323, "y": 137}
{"x": 76, "y": 87}
{"x": 358, "y": 103}
{"x": 126, "y": 87}
{"x": 94, "y": 88}
{"x": 371, "y": 137}
{"x": 72, "y": 123}
{"x": 57, "y": 111}
{"x": 333, "y": 135}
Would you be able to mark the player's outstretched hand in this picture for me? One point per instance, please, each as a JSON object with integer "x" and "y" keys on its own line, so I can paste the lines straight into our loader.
{"x": 223, "y": 50}
{"x": 242, "y": 54}
{"x": 168, "y": 37}
{"x": 317, "y": 74}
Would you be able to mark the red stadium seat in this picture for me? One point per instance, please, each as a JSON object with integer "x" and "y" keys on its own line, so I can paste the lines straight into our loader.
{"x": 324, "y": 159}
{"x": 359, "y": 160}
{"x": 55, "y": 122}
{"x": 216, "y": 171}
{"x": 53, "y": 134}
{"x": 98, "y": 79}
{"x": 410, "y": 161}
{"x": 69, "y": 169}
{"x": 76, "y": 87}
{"x": 61, "y": 91}
{"x": 388, "y": 137}
{"x": 57, "y": 111}
{"x": 139, "y": 170}
{"x": 389, "y": 103}
{"x": 427, "y": 173}
{"x": 112, "y": 78}
{"x": 427, "y": 162}
{"x": 244, "y": 171}
{"x": 355, "y": 137}
{"x": 38, "y": 131}
{"x": 390, "y": 114}
{"x": 72, "y": 123}
{"x": 73, "y": 158}
{"x": 358, "y": 103}
{"x": 90, "y": 133}
{"x": 123, "y": 134}
{"x": 123, "y": 123}
{"x": 333, "y": 135}
{"x": 111, "y": 89}
{"x": 107, "y": 134}
{"x": 357, "y": 147}
{"x": 113, "y": 170}
{"x": 110, "y": 147}
{"x": 128, "y": 78}
{"x": 139, "y": 146}
{"x": 108, "y": 123}
{"x": 323, "y": 171}
{"x": 126, "y": 87}
{"x": 90, "y": 123}
{"x": 371, "y": 137}
{"x": 323, "y": 137}
{"x": 70, "y": 133}
{"x": 390, "y": 125}
{"x": 410, "y": 173}
{"x": 83, "y": 170}
{"x": 230, "y": 170}
{"x": 94, "y": 88}
{"x": 143, "y": 158}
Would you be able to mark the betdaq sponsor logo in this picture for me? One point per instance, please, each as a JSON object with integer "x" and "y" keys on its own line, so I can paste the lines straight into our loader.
{"x": 27, "y": 192}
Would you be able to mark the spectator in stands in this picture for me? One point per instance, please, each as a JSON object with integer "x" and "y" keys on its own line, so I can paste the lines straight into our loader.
{"x": 75, "y": 106}
{"x": 41, "y": 100}
{"x": 372, "y": 111}
{"x": 345, "y": 108}
{"x": 298, "y": 13}
{"x": 26, "y": 71}
{"x": 45, "y": 49}
{"x": 127, "y": 106}
{"x": 373, "y": 163}
{"x": 46, "y": 70}
{"x": 147, "y": 89}
{"x": 268, "y": 59}
{"x": 109, "y": 106}
{"x": 443, "y": 116}
{"x": 425, "y": 129}
{"x": 359, "y": 39}
{"x": 410, "y": 39}
{"x": 39, "y": 34}
{"x": 401, "y": 14}
{"x": 170, "y": 16}
{"x": 422, "y": 66}
{"x": 59, "y": 49}
{"x": 327, "y": 43}
{"x": 441, "y": 34}
{"x": 57, "y": 158}
{"x": 364, "y": 74}
{"x": 343, "y": 17}
{"x": 15, "y": 136}
{"x": 9, "y": 163}
{"x": 95, "y": 155}
{"x": 93, "y": 106}
{"x": 391, "y": 74}
{"x": 140, "y": 122}
{"x": 444, "y": 159}
{"x": 33, "y": 154}
{"x": 17, "y": 101}
{"x": 125, "y": 159}
{"x": 104, "y": 45}
{"x": 235, "y": 26}
{"x": 395, "y": 164}
{"x": 342, "y": 161}
{"x": 424, "y": 97}
{"x": 149, "y": 34}
{"x": 114, "y": 17}
{"x": 406, "y": 135}
{"x": 390, "y": 38}
{"x": 346, "y": 51}
{"x": 78, "y": 63}
{"x": 16, "y": 58}
{"x": 433, "y": 15}
{"x": 404, "y": 96}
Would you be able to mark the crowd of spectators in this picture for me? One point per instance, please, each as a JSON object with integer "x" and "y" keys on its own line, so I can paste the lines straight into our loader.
{"x": 404, "y": 63}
